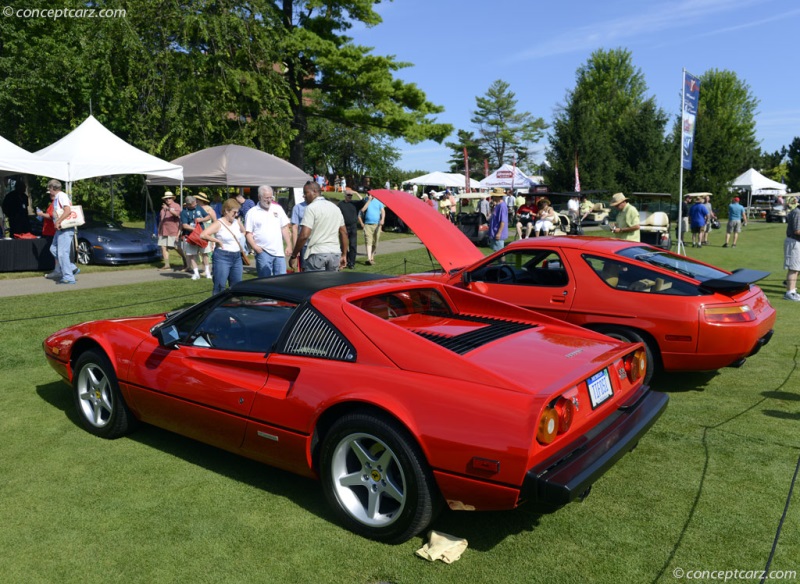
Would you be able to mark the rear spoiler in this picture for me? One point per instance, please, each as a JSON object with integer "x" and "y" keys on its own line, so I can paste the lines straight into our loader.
{"x": 739, "y": 280}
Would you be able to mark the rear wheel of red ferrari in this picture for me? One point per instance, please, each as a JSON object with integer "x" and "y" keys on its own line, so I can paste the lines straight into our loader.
{"x": 100, "y": 406}
{"x": 376, "y": 479}
{"x": 629, "y": 336}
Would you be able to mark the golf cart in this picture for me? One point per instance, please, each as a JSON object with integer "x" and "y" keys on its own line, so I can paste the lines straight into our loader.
{"x": 469, "y": 220}
{"x": 599, "y": 215}
{"x": 656, "y": 210}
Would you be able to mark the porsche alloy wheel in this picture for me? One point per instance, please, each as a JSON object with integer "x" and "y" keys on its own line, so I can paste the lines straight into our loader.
{"x": 100, "y": 406}
{"x": 84, "y": 254}
{"x": 376, "y": 479}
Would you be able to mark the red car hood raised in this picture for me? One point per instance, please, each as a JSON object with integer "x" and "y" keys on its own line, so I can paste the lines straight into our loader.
{"x": 451, "y": 248}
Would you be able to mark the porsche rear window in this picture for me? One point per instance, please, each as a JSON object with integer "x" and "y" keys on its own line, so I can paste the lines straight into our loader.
{"x": 674, "y": 263}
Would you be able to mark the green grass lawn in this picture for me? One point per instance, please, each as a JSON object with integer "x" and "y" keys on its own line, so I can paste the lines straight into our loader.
{"x": 705, "y": 489}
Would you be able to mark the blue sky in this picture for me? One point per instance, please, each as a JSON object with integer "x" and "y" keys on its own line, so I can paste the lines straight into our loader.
{"x": 458, "y": 48}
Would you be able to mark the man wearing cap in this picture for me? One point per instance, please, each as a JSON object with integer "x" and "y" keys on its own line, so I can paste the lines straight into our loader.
{"x": 627, "y": 223}
{"x": 169, "y": 227}
{"x": 498, "y": 223}
{"x": 736, "y": 219}
{"x": 791, "y": 249}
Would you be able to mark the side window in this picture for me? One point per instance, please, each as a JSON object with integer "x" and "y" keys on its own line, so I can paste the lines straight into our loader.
{"x": 624, "y": 276}
{"x": 524, "y": 267}
{"x": 239, "y": 323}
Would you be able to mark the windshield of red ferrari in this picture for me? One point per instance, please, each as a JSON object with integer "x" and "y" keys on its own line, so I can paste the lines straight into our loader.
{"x": 673, "y": 262}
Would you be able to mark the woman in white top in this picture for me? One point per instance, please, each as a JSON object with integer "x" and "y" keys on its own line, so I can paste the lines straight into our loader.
{"x": 227, "y": 233}
{"x": 545, "y": 218}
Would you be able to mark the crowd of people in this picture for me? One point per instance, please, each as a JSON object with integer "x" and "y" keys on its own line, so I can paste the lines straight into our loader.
{"x": 322, "y": 236}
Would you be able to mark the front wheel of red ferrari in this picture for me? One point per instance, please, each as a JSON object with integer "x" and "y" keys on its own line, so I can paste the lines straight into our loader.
{"x": 376, "y": 479}
{"x": 100, "y": 405}
{"x": 630, "y": 336}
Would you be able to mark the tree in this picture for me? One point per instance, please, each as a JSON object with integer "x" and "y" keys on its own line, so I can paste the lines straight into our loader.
{"x": 725, "y": 142}
{"x": 611, "y": 129}
{"x": 359, "y": 88}
{"x": 793, "y": 166}
{"x": 359, "y": 155}
{"x": 505, "y": 132}
{"x": 475, "y": 153}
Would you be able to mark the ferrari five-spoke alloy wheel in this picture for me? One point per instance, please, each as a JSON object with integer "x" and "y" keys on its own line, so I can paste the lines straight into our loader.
{"x": 100, "y": 406}
{"x": 629, "y": 336}
{"x": 84, "y": 254}
{"x": 376, "y": 479}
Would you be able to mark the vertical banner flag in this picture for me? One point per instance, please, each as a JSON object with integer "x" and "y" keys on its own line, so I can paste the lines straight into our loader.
{"x": 691, "y": 94}
{"x": 577, "y": 176}
{"x": 513, "y": 172}
{"x": 466, "y": 170}
{"x": 485, "y": 167}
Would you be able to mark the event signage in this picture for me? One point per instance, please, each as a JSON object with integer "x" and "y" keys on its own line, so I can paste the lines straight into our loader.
{"x": 691, "y": 94}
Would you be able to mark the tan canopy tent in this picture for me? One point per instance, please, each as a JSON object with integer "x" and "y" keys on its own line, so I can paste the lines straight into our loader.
{"x": 233, "y": 165}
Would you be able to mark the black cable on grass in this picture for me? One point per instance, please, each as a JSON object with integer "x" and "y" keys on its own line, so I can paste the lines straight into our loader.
{"x": 780, "y": 524}
{"x": 99, "y": 308}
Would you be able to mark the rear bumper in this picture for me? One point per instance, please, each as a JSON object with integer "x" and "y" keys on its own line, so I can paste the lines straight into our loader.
{"x": 569, "y": 475}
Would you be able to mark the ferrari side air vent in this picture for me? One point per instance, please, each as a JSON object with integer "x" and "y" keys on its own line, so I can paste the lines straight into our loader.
{"x": 313, "y": 336}
{"x": 464, "y": 343}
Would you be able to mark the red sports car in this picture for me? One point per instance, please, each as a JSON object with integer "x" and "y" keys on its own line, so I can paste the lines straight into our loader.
{"x": 400, "y": 394}
{"x": 690, "y": 316}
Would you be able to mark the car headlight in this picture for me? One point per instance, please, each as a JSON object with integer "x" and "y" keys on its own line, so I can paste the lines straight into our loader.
{"x": 102, "y": 239}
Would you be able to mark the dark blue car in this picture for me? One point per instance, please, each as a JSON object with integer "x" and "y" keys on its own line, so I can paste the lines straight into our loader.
{"x": 102, "y": 240}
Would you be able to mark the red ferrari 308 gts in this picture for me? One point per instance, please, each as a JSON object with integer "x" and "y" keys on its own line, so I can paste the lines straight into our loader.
{"x": 690, "y": 316}
{"x": 400, "y": 394}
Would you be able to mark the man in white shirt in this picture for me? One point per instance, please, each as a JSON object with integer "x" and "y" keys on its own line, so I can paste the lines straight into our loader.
{"x": 266, "y": 225}
{"x": 62, "y": 242}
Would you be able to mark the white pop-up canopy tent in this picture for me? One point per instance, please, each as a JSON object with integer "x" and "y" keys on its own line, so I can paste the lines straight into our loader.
{"x": 91, "y": 150}
{"x": 443, "y": 179}
{"x": 16, "y": 160}
{"x": 507, "y": 177}
{"x": 756, "y": 183}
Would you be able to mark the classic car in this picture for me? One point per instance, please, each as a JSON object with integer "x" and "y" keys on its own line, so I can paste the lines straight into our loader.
{"x": 402, "y": 395}
{"x": 691, "y": 316}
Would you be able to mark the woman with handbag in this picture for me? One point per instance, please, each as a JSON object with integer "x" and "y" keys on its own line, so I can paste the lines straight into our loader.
{"x": 191, "y": 217}
{"x": 227, "y": 233}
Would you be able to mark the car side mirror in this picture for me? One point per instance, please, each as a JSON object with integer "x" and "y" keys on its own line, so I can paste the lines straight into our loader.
{"x": 466, "y": 277}
{"x": 167, "y": 335}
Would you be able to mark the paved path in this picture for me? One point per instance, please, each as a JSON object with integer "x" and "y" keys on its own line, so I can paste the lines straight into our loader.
{"x": 27, "y": 285}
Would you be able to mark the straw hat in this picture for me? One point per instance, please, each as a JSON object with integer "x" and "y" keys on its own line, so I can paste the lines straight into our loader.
{"x": 201, "y": 197}
{"x": 498, "y": 192}
{"x": 617, "y": 199}
{"x": 168, "y": 195}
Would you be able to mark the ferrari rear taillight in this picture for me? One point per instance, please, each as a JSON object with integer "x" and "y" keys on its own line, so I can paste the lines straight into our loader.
{"x": 556, "y": 419}
{"x": 729, "y": 314}
{"x": 566, "y": 412}
{"x": 636, "y": 364}
{"x": 548, "y": 426}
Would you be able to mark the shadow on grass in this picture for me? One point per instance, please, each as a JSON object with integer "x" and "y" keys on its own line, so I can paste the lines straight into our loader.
{"x": 484, "y": 530}
{"x": 305, "y": 492}
{"x": 679, "y": 382}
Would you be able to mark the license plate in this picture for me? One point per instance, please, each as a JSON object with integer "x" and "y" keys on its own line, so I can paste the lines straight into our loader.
{"x": 599, "y": 388}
